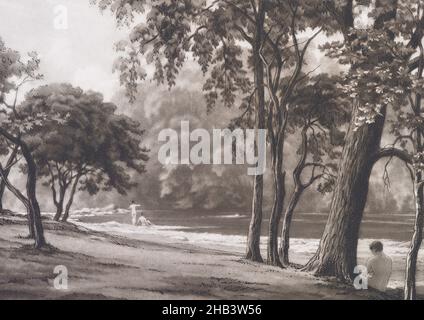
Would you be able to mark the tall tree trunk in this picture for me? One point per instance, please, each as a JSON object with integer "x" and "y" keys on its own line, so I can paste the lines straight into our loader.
{"x": 6, "y": 171}
{"x": 31, "y": 188}
{"x": 337, "y": 252}
{"x": 59, "y": 203}
{"x": 411, "y": 260}
{"x": 285, "y": 231}
{"x": 34, "y": 215}
{"x": 336, "y": 255}
{"x": 253, "y": 239}
{"x": 71, "y": 199}
{"x": 410, "y": 291}
{"x": 294, "y": 199}
{"x": 277, "y": 207}
{"x": 2, "y": 189}
{"x": 59, "y": 211}
{"x": 63, "y": 184}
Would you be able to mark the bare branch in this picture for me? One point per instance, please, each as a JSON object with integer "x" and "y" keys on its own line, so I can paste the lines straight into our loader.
{"x": 392, "y": 152}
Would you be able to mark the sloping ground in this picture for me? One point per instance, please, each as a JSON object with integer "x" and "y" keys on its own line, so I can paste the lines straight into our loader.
{"x": 103, "y": 266}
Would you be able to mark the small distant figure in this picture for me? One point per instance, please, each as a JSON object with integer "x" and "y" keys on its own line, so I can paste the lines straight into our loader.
{"x": 142, "y": 221}
{"x": 133, "y": 208}
{"x": 379, "y": 267}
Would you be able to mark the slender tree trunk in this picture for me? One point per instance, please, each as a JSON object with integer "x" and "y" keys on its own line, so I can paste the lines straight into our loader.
{"x": 2, "y": 189}
{"x": 277, "y": 208}
{"x": 34, "y": 215}
{"x": 6, "y": 172}
{"x": 71, "y": 199}
{"x": 22, "y": 198}
{"x": 411, "y": 260}
{"x": 253, "y": 239}
{"x": 59, "y": 211}
{"x": 31, "y": 187}
{"x": 285, "y": 231}
{"x": 62, "y": 184}
{"x": 410, "y": 291}
{"x": 337, "y": 252}
{"x": 294, "y": 199}
{"x": 59, "y": 204}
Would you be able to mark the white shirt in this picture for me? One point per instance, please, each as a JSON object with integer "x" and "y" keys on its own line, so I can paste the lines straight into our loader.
{"x": 379, "y": 270}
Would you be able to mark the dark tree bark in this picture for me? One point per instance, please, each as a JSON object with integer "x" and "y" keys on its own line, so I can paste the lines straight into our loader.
{"x": 6, "y": 171}
{"x": 277, "y": 208}
{"x": 279, "y": 109}
{"x": 59, "y": 203}
{"x": 64, "y": 179}
{"x": 31, "y": 188}
{"x": 294, "y": 199}
{"x": 22, "y": 198}
{"x": 298, "y": 190}
{"x": 285, "y": 231}
{"x": 34, "y": 216}
{"x": 253, "y": 239}
{"x": 2, "y": 190}
{"x": 410, "y": 292}
{"x": 71, "y": 199}
{"x": 336, "y": 255}
{"x": 337, "y": 252}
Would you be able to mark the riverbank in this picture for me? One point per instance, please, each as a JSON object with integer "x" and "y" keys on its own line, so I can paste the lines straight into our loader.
{"x": 108, "y": 266}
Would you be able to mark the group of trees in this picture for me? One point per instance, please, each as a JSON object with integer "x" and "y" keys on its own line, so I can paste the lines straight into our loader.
{"x": 252, "y": 56}
{"x": 70, "y": 139}
{"x": 249, "y": 50}
{"x": 93, "y": 149}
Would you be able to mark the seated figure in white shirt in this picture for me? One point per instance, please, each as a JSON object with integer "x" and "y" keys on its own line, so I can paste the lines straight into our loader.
{"x": 379, "y": 267}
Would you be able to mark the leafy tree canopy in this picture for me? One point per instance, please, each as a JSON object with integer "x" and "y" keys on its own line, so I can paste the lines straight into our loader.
{"x": 92, "y": 141}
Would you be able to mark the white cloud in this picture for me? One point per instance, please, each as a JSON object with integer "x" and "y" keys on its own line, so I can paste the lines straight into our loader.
{"x": 96, "y": 78}
{"x": 82, "y": 54}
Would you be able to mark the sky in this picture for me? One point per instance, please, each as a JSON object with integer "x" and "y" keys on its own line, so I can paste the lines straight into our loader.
{"x": 80, "y": 53}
